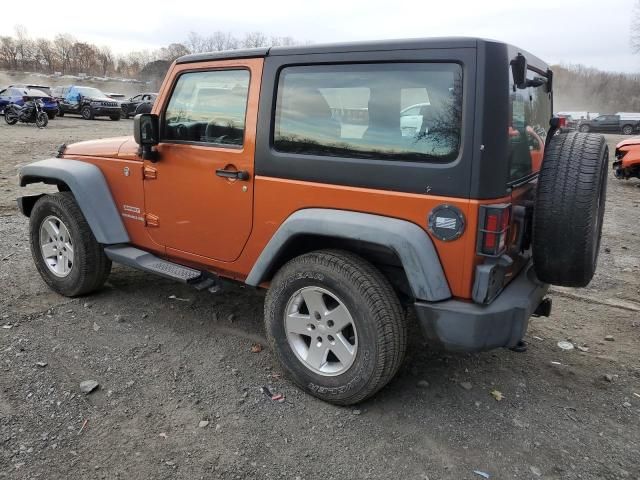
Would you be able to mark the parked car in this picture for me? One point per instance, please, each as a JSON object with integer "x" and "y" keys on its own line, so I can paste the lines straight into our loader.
{"x": 569, "y": 124}
{"x": 133, "y": 106}
{"x": 627, "y": 162}
{"x": 245, "y": 172}
{"x": 43, "y": 88}
{"x": 21, "y": 95}
{"x": 610, "y": 124}
{"x": 86, "y": 101}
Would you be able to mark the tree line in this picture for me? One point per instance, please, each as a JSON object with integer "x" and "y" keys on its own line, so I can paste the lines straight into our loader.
{"x": 68, "y": 55}
{"x": 580, "y": 88}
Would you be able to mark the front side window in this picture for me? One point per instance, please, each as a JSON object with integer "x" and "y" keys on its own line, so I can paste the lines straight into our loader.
{"x": 208, "y": 107}
{"x": 530, "y": 115}
{"x": 394, "y": 111}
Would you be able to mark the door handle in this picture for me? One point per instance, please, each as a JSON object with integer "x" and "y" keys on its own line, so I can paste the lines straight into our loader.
{"x": 233, "y": 174}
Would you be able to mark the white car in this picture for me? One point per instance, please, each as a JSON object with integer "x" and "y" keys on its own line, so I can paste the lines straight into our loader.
{"x": 411, "y": 119}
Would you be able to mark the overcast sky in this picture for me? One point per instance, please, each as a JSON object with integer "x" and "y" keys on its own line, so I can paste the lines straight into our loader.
{"x": 590, "y": 32}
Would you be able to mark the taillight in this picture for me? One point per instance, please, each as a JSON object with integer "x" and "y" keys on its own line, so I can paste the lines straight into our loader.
{"x": 493, "y": 229}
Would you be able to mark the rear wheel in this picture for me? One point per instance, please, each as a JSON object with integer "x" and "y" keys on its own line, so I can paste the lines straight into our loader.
{"x": 60, "y": 113}
{"x": 627, "y": 129}
{"x": 42, "y": 120}
{"x": 336, "y": 325}
{"x": 10, "y": 117}
{"x": 567, "y": 224}
{"x": 87, "y": 112}
{"x": 67, "y": 255}
{"x": 51, "y": 115}
{"x": 584, "y": 128}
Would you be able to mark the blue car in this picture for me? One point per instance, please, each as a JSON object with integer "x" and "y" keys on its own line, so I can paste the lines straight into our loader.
{"x": 19, "y": 95}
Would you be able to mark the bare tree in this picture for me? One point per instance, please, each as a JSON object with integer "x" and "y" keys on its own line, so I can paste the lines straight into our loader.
{"x": 9, "y": 52}
{"x": 105, "y": 59}
{"x": 24, "y": 46}
{"x": 255, "y": 40}
{"x": 63, "y": 44}
{"x": 46, "y": 54}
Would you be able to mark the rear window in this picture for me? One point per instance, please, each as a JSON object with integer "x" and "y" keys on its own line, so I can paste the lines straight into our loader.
{"x": 32, "y": 92}
{"x": 530, "y": 115}
{"x": 395, "y": 111}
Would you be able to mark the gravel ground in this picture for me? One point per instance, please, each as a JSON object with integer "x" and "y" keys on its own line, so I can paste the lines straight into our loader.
{"x": 179, "y": 386}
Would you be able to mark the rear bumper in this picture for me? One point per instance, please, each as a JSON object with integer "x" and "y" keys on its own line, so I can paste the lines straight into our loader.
{"x": 466, "y": 326}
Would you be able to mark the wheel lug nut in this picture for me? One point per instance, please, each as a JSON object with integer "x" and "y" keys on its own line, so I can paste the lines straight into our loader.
{"x": 330, "y": 323}
{"x": 331, "y": 339}
{"x": 317, "y": 315}
{"x": 319, "y": 339}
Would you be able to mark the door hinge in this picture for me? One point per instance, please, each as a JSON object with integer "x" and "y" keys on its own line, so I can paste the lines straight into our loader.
{"x": 150, "y": 173}
{"x": 151, "y": 220}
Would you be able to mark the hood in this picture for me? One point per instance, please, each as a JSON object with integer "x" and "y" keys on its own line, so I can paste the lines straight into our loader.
{"x": 630, "y": 141}
{"x": 118, "y": 147}
{"x": 100, "y": 99}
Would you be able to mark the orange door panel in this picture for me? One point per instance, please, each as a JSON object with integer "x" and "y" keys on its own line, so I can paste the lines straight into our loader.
{"x": 199, "y": 212}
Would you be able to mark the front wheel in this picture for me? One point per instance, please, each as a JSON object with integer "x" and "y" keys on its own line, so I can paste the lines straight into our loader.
{"x": 336, "y": 325}
{"x": 115, "y": 117}
{"x": 42, "y": 120}
{"x": 627, "y": 130}
{"x": 584, "y": 128}
{"x": 87, "y": 112}
{"x": 67, "y": 255}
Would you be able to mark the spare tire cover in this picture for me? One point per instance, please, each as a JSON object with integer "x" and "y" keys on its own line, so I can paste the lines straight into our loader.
{"x": 569, "y": 209}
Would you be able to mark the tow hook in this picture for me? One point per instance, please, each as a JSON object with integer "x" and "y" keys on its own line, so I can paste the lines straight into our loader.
{"x": 544, "y": 309}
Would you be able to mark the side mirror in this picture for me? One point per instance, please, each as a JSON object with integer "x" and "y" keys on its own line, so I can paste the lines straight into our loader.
{"x": 146, "y": 133}
{"x": 519, "y": 71}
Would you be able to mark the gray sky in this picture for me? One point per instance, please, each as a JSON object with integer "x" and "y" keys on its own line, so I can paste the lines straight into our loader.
{"x": 590, "y": 32}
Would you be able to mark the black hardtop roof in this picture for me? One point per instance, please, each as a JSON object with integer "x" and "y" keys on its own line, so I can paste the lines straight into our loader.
{"x": 378, "y": 45}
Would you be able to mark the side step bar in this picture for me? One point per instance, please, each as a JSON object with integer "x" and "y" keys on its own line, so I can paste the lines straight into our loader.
{"x": 136, "y": 258}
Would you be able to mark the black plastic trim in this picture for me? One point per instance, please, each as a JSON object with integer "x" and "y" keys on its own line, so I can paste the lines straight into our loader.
{"x": 433, "y": 178}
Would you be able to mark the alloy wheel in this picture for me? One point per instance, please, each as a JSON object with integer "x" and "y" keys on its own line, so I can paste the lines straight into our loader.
{"x": 56, "y": 246}
{"x": 321, "y": 331}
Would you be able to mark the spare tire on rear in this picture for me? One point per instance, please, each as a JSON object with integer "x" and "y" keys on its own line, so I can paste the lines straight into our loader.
{"x": 567, "y": 222}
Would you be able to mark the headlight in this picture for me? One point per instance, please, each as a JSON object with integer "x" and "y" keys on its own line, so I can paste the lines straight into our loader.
{"x": 96, "y": 104}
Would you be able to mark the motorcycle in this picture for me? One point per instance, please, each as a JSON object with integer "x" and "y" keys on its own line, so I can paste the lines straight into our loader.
{"x": 30, "y": 112}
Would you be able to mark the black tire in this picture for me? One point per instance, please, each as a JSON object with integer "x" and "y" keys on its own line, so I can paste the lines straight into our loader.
{"x": 51, "y": 115}
{"x": 377, "y": 317}
{"x": 115, "y": 117}
{"x": 60, "y": 113}
{"x": 143, "y": 108}
{"x": 42, "y": 120}
{"x": 567, "y": 224}
{"x": 584, "y": 128}
{"x": 627, "y": 129}
{"x": 87, "y": 112}
{"x": 90, "y": 267}
{"x": 10, "y": 117}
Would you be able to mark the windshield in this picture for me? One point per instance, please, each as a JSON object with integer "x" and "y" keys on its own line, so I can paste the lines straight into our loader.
{"x": 90, "y": 92}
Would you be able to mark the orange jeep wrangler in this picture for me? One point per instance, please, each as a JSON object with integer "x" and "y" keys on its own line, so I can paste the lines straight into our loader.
{"x": 355, "y": 182}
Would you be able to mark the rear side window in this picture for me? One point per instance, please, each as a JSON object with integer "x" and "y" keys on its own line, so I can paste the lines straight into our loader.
{"x": 208, "y": 107}
{"x": 393, "y": 111}
{"x": 530, "y": 115}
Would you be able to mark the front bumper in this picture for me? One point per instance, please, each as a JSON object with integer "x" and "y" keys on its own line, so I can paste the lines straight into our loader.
{"x": 106, "y": 111}
{"x": 466, "y": 326}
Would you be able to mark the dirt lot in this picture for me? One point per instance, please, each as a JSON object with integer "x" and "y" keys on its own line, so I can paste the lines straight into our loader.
{"x": 168, "y": 357}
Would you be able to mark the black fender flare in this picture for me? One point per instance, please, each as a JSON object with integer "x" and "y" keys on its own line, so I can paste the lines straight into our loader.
{"x": 411, "y": 243}
{"x": 90, "y": 189}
